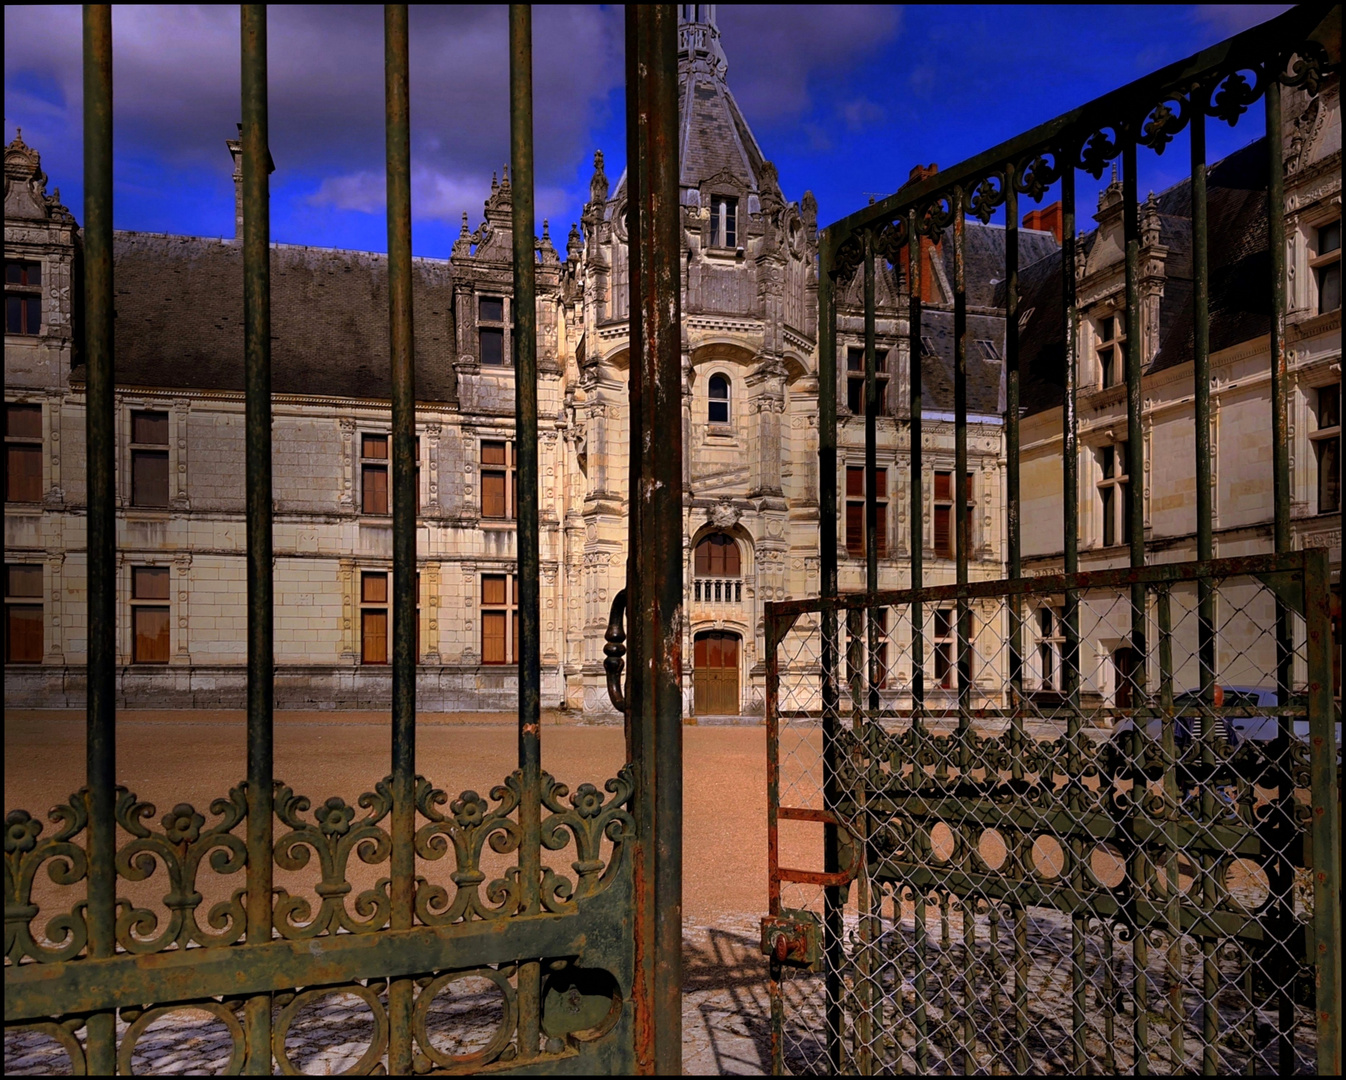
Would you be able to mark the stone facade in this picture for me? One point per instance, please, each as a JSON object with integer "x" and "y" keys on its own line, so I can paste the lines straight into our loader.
{"x": 750, "y": 387}
{"x": 749, "y": 431}
{"x": 1240, "y": 393}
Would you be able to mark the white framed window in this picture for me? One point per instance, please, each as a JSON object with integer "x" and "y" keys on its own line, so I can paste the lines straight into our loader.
{"x": 944, "y": 646}
{"x": 723, "y": 221}
{"x": 1051, "y": 637}
{"x": 718, "y": 400}
{"x": 1113, "y": 489}
{"x": 1326, "y": 442}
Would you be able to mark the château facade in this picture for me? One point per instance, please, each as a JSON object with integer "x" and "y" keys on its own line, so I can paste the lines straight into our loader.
{"x": 750, "y": 433}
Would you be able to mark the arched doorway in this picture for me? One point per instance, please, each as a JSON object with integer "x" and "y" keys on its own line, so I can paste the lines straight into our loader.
{"x": 715, "y": 673}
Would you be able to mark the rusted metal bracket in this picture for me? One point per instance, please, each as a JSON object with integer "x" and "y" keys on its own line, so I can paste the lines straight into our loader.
{"x": 794, "y": 938}
{"x": 614, "y": 651}
{"x": 1288, "y": 587}
{"x": 850, "y": 852}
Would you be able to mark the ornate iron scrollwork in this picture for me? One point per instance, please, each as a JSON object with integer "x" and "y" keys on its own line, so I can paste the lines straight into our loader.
{"x": 614, "y": 651}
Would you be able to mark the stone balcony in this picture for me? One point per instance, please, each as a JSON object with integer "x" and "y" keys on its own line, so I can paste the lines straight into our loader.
{"x": 716, "y": 592}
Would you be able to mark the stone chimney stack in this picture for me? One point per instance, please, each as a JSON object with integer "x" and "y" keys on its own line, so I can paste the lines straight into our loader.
{"x": 236, "y": 150}
{"x": 929, "y": 247}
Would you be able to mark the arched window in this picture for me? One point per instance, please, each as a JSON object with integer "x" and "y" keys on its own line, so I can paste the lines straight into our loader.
{"x": 717, "y": 559}
{"x": 717, "y": 556}
{"x": 718, "y": 391}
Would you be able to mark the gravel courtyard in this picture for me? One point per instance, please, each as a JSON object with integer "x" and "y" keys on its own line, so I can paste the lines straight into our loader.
{"x": 172, "y": 757}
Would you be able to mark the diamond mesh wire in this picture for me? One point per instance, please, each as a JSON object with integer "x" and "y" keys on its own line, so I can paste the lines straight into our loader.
{"x": 1078, "y": 859}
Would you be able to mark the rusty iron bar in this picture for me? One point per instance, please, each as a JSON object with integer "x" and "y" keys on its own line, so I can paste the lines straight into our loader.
{"x": 1012, "y": 490}
{"x": 526, "y": 455}
{"x": 962, "y": 520}
{"x": 1325, "y": 830}
{"x": 397, "y": 105}
{"x": 915, "y": 436}
{"x": 101, "y": 710}
{"x": 833, "y": 898}
{"x": 654, "y": 566}
{"x": 260, "y": 565}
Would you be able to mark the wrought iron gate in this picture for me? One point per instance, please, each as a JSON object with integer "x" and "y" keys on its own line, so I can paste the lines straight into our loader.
{"x": 1017, "y": 882}
{"x": 416, "y": 902}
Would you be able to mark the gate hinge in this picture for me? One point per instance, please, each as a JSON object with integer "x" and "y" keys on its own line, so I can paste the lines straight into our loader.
{"x": 792, "y": 938}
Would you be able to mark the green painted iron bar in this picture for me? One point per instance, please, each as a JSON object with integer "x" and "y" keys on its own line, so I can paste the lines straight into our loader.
{"x": 1135, "y": 466}
{"x": 260, "y": 565}
{"x": 1012, "y": 493}
{"x": 101, "y": 716}
{"x": 833, "y": 897}
{"x": 526, "y": 444}
{"x": 915, "y": 359}
{"x": 655, "y": 564}
{"x": 962, "y": 521}
{"x": 871, "y": 470}
{"x": 1205, "y": 548}
{"x": 397, "y": 105}
{"x": 1070, "y": 434}
{"x": 1246, "y": 51}
{"x": 1281, "y": 910}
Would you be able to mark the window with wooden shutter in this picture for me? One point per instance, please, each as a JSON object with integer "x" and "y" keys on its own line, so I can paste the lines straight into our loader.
{"x": 499, "y": 481}
{"x": 23, "y": 453}
{"x": 499, "y": 619}
{"x": 150, "y": 614}
{"x": 149, "y": 459}
{"x": 374, "y": 474}
{"x": 23, "y": 613}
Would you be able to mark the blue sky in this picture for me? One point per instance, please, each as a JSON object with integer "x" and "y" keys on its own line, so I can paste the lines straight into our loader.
{"x": 844, "y": 99}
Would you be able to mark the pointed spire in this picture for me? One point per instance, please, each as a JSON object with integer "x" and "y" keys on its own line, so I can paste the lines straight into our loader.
{"x": 699, "y": 39}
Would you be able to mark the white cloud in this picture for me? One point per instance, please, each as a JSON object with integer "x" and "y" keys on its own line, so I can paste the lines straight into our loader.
{"x": 774, "y": 51}
{"x": 176, "y": 86}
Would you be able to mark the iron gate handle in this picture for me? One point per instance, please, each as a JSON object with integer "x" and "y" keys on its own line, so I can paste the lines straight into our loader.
{"x": 614, "y": 651}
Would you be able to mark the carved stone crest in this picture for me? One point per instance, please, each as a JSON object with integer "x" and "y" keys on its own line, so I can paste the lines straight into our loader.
{"x": 725, "y": 515}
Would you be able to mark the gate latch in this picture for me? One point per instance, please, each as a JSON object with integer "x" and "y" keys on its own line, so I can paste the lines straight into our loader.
{"x": 792, "y": 938}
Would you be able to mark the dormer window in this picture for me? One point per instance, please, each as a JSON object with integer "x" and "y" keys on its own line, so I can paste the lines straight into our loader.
{"x": 23, "y": 298}
{"x": 1109, "y": 334}
{"x": 491, "y": 330}
{"x": 723, "y": 221}
{"x": 718, "y": 393}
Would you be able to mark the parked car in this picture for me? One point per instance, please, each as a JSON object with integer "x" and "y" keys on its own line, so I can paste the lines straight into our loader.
{"x": 1237, "y": 729}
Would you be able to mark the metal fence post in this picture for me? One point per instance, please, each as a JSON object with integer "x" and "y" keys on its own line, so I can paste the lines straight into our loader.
{"x": 100, "y": 746}
{"x": 655, "y": 565}
{"x": 257, "y": 376}
{"x": 526, "y": 451}
{"x": 397, "y": 106}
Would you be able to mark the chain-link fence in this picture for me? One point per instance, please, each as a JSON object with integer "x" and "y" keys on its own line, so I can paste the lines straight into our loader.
{"x": 1076, "y": 822}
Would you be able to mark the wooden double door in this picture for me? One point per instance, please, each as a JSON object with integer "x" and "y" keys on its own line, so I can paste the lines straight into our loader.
{"x": 715, "y": 673}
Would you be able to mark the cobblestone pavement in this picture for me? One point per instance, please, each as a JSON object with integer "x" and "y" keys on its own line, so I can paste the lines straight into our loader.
{"x": 726, "y": 1023}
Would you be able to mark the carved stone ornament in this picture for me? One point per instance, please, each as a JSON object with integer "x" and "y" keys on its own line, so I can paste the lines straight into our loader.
{"x": 725, "y": 515}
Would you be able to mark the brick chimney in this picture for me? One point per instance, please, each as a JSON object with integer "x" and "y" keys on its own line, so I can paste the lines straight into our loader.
{"x": 1048, "y": 219}
{"x": 236, "y": 151}
{"x": 928, "y": 246}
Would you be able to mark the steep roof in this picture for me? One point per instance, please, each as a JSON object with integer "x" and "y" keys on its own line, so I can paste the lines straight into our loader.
{"x": 1240, "y": 269}
{"x": 179, "y": 318}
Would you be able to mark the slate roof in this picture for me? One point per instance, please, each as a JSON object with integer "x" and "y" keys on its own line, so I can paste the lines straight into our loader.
{"x": 1240, "y": 269}
{"x": 713, "y": 136}
{"x": 179, "y": 318}
{"x": 984, "y": 270}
